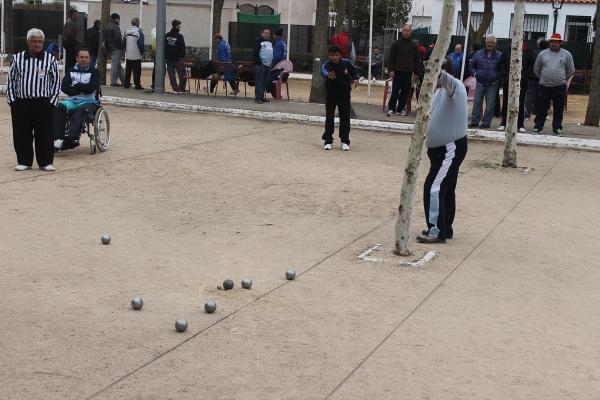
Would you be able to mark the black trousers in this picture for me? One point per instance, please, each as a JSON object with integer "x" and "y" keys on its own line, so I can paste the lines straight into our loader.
{"x": 70, "y": 57}
{"x": 343, "y": 105}
{"x": 439, "y": 196}
{"x": 76, "y": 118}
{"x": 547, "y": 94}
{"x": 32, "y": 122}
{"x": 134, "y": 66}
{"x": 400, "y": 90}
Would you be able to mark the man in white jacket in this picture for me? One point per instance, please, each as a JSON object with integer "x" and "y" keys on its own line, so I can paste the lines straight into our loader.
{"x": 133, "y": 42}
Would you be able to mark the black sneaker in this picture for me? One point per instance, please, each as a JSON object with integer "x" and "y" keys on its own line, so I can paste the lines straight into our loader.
{"x": 425, "y": 232}
{"x": 429, "y": 239}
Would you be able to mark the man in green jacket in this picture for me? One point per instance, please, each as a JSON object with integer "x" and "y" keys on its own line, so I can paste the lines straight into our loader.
{"x": 404, "y": 60}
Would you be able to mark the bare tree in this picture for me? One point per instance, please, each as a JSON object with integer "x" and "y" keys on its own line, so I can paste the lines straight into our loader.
{"x": 217, "y": 12}
{"x": 516, "y": 56}
{"x": 317, "y": 87}
{"x": 486, "y": 20}
{"x": 592, "y": 114}
{"x": 8, "y": 26}
{"x": 104, "y": 18}
{"x": 403, "y": 245}
{"x": 341, "y": 15}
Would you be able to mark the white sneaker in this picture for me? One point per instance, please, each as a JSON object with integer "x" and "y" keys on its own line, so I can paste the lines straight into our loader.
{"x": 345, "y": 147}
{"x": 501, "y": 128}
{"x": 58, "y": 144}
{"x": 327, "y": 146}
{"x": 48, "y": 168}
{"x": 22, "y": 167}
{"x": 522, "y": 130}
{"x": 374, "y": 79}
{"x": 403, "y": 113}
{"x": 390, "y": 113}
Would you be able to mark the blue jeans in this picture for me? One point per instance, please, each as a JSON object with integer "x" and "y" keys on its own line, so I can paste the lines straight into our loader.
{"x": 546, "y": 94}
{"x": 489, "y": 93}
{"x": 261, "y": 80}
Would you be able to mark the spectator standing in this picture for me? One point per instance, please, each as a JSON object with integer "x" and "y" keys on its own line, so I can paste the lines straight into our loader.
{"x": 54, "y": 50}
{"x": 175, "y": 51}
{"x": 92, "y": 42}
{"x": 484, "y": 67}
{"x": 527, "y": 61}
{"x": 32, "y": 90}
{"x": 404, "y": 61}
{"x": 263, "y": 58}
{"x": 457, "y": 59}
{"x": 475, "y": 47}
{"x": 70, "y": 39}
{"x": 134, "y": 52}
{"x": 81, "y": 83}
{"x": 446, "y": 149}
{"x": 224, "y": 56}
{"x": 113, "y": 41}
{"x": 376, "y": 63}
{"x": 532, "y": 80}
{"x": 340, "y": 75}
{"x": 554, "y": 67}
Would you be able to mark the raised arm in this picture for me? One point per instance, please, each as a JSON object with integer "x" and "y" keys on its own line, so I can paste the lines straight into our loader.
{"x": 448, "y": 83}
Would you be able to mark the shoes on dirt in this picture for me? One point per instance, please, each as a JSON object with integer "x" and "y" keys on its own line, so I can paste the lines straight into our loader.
{"x": 403, "y": 113}
{"x": 327, "y": 146}
{"x": 522, "y": 130}
{"x": 21, "y": 167}
{"x": 558, "y": 132}
{"x": 390, "y": 113}
{"x": 48, "y": 168}
{"x": 425, "y": 232}
{"x": 536, "y": 131}
{"x": 429, "y": 239}
{"x": 345, "y": 147}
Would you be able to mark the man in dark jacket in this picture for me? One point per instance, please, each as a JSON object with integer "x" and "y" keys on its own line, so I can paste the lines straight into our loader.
{"x": 174, "y": 52}
{"x": 81, "y": 83}
{"x": 70, "y": 39}
{"x": 263, "y": 58}
{"x": 532, "y": 80}
{"x": 341, "y": 75}
{"x": 114, "y": 44}
{"x": 404, "y": 60}
{"x": 92, "y": 42}
{"x": 485, "y": 67}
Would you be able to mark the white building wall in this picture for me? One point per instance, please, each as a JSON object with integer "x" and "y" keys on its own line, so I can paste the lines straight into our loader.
{"x": 504, "y": 9}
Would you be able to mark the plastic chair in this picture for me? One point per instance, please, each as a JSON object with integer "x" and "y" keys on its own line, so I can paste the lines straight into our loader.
{"x": 286, "y": 68}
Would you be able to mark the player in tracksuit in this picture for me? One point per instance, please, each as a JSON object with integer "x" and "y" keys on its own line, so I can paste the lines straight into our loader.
{"x": 340, "y": 76}
{"x": 446, "y": 149}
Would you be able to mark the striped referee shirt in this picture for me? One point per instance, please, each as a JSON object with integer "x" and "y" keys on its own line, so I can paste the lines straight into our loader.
{"x": 33, "y": 77}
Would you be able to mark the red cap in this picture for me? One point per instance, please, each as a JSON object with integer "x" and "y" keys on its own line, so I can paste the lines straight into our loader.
{"x": 556, "y": 36}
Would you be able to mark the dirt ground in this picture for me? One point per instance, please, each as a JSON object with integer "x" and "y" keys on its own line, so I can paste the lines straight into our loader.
{"x": 508, "y": 309}
{"x": 300, "y": 91}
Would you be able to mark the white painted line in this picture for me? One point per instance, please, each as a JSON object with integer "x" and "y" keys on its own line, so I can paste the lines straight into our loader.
{"x": 368, "y": 125}
{"x": 430, "y": 255}
{"x": 364, "y": 256}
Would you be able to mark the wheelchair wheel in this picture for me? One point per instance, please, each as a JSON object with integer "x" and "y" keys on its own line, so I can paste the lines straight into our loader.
{"x": 102, "y": 130}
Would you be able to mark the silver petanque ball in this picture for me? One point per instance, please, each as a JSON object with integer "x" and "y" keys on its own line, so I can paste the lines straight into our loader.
{"x": 105, "y": 239}
{"x": 181, "y": 325}
{"x": 210, "y": 306}
{"x": 290, "y": 274}
{"x": 228, "y": 284}
{"x": 137, "y": 303}
{"x": 246, "y": 283}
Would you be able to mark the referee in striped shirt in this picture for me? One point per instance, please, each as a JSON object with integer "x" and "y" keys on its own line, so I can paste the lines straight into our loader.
{"x": 32, "y": 92}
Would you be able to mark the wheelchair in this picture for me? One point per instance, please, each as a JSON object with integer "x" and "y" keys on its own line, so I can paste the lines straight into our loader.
{"x": 96, "y": 125}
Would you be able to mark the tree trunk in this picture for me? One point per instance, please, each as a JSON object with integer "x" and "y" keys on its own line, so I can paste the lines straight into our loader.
{"x": 104, "y": 18}
{"x": 341, "y": 15}
{"x": 592, "y": 114}
{"x": 8, "y": 26}
{"x": 403, "y": 245}
{"x": 317, "y": 87}
{"x": 217, "y": 12}
{"x": 488, "y": 16}
{"x": 514, "y": 89}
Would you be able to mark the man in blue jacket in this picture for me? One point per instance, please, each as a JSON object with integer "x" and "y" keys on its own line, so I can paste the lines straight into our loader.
{"x": 484, "y": 67}
{"x": 279, "y": 48}
{"x": 224, "y": 56}
{"x": 81, "y": 83}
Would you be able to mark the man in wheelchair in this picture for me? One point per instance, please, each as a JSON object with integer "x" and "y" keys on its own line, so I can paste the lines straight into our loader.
{"x": 82, "y": 84}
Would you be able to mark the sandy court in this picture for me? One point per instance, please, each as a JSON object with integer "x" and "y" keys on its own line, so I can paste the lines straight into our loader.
{"x": 507, "y": 309}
